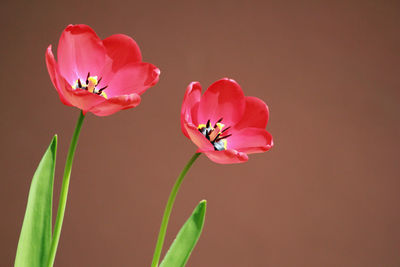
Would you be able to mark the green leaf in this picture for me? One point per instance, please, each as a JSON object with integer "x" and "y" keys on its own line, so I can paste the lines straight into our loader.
{"x": 34, "y": 241}
{"x": 179, "y": 252}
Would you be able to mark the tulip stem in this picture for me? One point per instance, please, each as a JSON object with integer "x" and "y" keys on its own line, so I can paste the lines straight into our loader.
{"x": 168, "y": 209}
{"x": 64, "y": 192}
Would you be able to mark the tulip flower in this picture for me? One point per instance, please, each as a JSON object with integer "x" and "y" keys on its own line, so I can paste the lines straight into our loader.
{"x": 99, "y": 76}
{"x": 224, "y": 124}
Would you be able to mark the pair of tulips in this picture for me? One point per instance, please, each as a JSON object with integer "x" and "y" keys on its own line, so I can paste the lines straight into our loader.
{"x": 106, "y": 76}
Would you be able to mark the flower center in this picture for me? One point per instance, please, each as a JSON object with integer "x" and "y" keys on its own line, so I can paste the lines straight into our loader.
{"x": 215, "y": 135}
{"x": 90, "y": 85}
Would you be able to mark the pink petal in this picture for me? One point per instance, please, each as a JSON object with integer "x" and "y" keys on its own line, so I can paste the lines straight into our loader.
{"x": 122, "y": 49}
{"x": 133, "y": 78}
{"x": 223, "y": 99}
{"x": 79, "y": 98}
{"x": 52, "y": 68}
{"x": 255, "y": 114}
{"x": 192, "y": 97}
{"x": 250, "y": 140}
{"x": 80, "y": 51}
{"x": 115, "y": 104}
{"x": 227, "y": 156}
{"x": 195, "y": 110}
{"x": 197, "y": 138}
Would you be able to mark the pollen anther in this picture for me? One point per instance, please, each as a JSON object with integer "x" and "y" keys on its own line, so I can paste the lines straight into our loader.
{"x": 215, "y": 134}
{"x": 90, "y": 85}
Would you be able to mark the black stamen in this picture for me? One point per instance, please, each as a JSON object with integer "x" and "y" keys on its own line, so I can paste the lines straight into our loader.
{"x": 223, "y": 137}
{"x": 208, "y": 134}
{"x": 226, "y": 129}
{"x": 98, "y": 82}
{"x": 208, "y": 124}
{"x": 79, "y": 83}
{"x": 215, "y": 125}
{"x": 87, "y": 78}
{"x": 104, "y": 88}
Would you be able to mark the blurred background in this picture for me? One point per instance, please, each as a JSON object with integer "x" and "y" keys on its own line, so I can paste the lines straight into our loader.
{"x": 327, "y": 194}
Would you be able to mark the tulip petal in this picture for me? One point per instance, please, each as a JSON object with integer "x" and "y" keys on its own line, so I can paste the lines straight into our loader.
{"x": 122, "y": 49}
{"x": 198, "y": 138}
{"x": 52, "y": 68}
{"x": 228, "y": 156}
{"x": 133, "y": 78}
{"x": 250, "y": 140}
{"x": 255, "y": 114}
{"x": 79, "y": 98}
{"x": 115, "y": 104}
{"x": 190, "y": 102}
{"x": 80, "y": 51}
{"x": 223, "y": 99}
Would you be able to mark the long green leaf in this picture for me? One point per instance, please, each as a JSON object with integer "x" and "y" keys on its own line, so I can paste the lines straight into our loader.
{"x": 180, "y": 250}
{"x": 34, "y": 241}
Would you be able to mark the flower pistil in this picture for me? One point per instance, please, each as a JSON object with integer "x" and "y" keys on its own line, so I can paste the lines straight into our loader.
{"x": 90, "y": 85}
{"x": 215, "y": 135}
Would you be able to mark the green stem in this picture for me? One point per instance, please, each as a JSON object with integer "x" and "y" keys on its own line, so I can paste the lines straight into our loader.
{"x": 168, "y": 209}
{"x": 64, "y": 192}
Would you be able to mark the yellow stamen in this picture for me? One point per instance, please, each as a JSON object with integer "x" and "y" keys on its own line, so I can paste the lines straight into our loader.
{"x": 220, "y": 126}
{"x": 75, "y": 85}
{"x": 225, "y": 143}
{"x": 103, "y": 94}
{"x": 92, "y": 82}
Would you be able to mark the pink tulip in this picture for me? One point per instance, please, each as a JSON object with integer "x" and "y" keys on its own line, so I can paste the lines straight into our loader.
{"x": 223, "y": 123}
{"x": 99, "y": 76}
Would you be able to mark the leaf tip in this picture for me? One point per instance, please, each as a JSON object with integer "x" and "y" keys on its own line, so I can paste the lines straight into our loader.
{"x": 53, "y": 144}
{"x": 200, "y": 211}
{"x": 203, "y": 203}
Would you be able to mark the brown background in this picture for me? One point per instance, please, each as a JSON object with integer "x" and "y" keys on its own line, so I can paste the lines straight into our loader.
{"x": 327, "y": 194}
